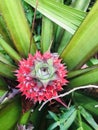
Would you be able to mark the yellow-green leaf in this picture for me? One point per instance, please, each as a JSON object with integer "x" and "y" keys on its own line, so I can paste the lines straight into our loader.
{"x": 84, "y": 44}
{"x": 9, "y": 115}
{"x": 66, "y": 17}
{"x": 17, "y": 25}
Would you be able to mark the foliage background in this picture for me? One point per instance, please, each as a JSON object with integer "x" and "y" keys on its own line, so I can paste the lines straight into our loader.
{"x": 68, "y": 31}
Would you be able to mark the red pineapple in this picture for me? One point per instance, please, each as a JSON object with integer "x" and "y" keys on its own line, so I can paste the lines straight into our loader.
{"x": 41, "y": 77}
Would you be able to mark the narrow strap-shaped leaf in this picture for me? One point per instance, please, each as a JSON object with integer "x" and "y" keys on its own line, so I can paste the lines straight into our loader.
{"x": 77, "y": 4}
{"x": 84, "y": 127}
{"x": 53, "y": 115}
{"x": 76, "y": 73}
{"x": 53, "y": 126}
{"x": 80, "y": 4}
{"x": 58, "y": 33}
{"x": 80, "y": 123}
{"x": 5, "y": 60}
{"x": 14, "y": 17}
{"x": 47, "y": 34}
{"x": 70, "y": 120}
{"x": 9, "y": 50}
{"x": 4, "y": 32}
{"x": 67, "y": 114}
{"x": 85, "y": 78}
{"x": 38, "y": 119}
{"x": 87, "y": 102}
{"x": 88, "y": 117}
{"x": 84, "y": 44}
{"x": 25, "y": 117}
{"x": 6, "y": 70}
{"x": 3, "y": 84}
{"x": 9, "y": 115}
{"x": 64, "y": 41}
{"x": 66, "y": 17}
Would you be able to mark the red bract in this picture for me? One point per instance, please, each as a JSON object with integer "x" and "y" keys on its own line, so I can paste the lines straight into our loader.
{"x": 41, "y": 77}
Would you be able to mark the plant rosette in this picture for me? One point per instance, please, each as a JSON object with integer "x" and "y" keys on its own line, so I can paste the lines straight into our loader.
{"x": 41, "y": 77}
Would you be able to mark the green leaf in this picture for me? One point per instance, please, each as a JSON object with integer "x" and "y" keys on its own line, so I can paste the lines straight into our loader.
{"x": 53, "y": 115}
{"x": 64, "y": 41}
{"x": 88, "y": 117}
{"x": 80, "y": 123}
{"x": 58, "y": 32}
{"x": 9, "y": 115}
{"x": 80, "y": 4}
{"x": 77, "y": 4}
{"x": 68, "y": 123}
{"x": 5, "y": 60}
{"x": 87, "y": 102}
{"x": 84, "y": 44}
{"x": 85, "y": 127}
{"x": 38, "y": 118}
{"x": 63, "y": 120}
{"x": 92, "y": 62}
{"x": 3, "y": 31}
{"x": 3, "y": 84}
{"x": 7, "y": 71}
{"x": 53, "y": 126}
{"x": 47, "y": 34}
{"x": 9, "y": 50}
{"x": 28, "y": 12}
{"x": 84, "y": 77}
{"x": 75, "y": 73}
{"x": 25, "y": 117}
{"x": 66, "y": 17}
{"x": 65, "y": 116}
{"x": 79, "y": 120}
{"x": 16, "y": 22}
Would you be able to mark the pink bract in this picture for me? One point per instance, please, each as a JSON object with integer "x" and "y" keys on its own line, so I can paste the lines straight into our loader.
{"x": 41, "y": 77}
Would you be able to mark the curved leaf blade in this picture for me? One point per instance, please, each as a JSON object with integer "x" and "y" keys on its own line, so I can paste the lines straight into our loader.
{"x": 85, "y": 78}
{"x": 77, "y": 4}
{"x": 9, "y": 50}
{"x": 17, "y": 25}
{"x": 66, "y": 17}
{"x": 89, "y": 103}
{"x": 47, "y": 34}
{"x": 70, "y": 120}
{"x": 84, "y": 44}
{"x": 3, "y": 31}
{"x": 6, "y": 70}
{"x": 88, "y": 117}
{"x": 9, "y": 115}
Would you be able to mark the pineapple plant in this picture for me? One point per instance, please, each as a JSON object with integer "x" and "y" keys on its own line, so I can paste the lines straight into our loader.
{"x": 42, "y": 65}
{"x": 41, "y": 76}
